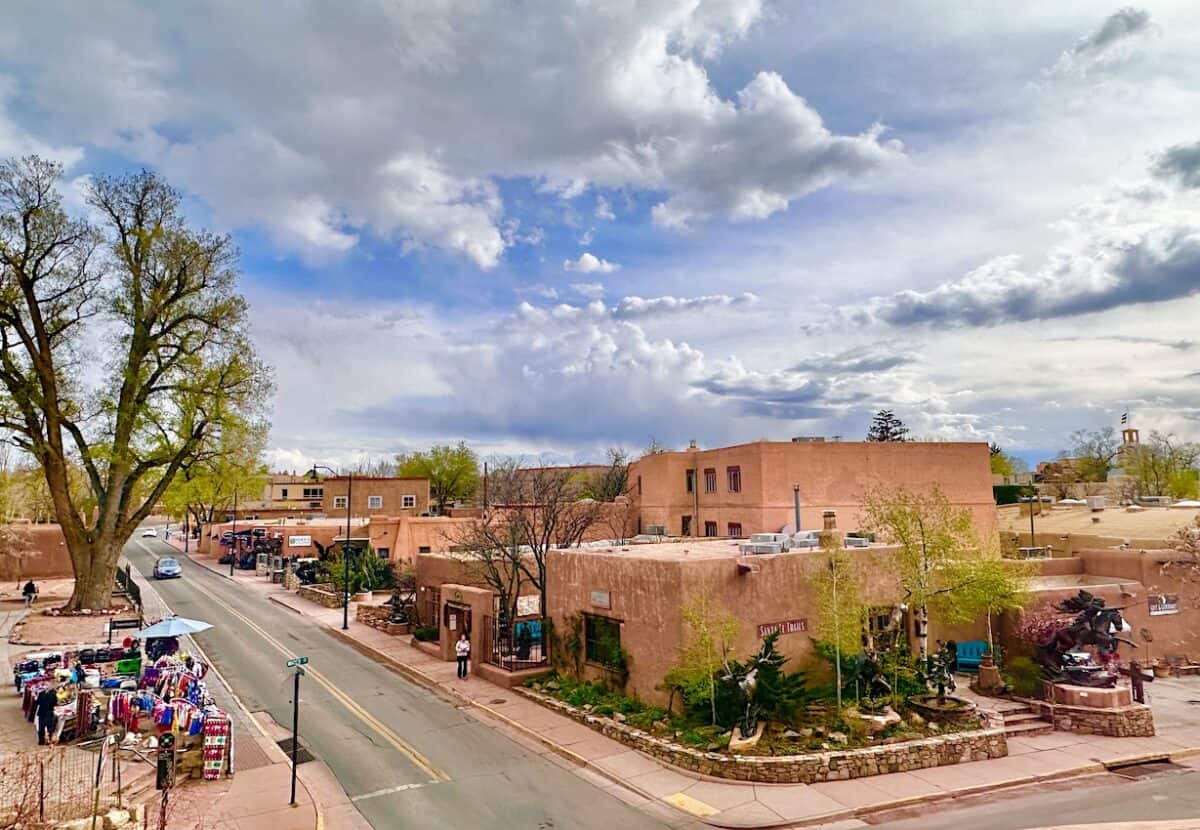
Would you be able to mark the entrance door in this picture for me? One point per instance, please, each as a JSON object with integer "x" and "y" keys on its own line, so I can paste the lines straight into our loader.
{"x": 456, "y": 619}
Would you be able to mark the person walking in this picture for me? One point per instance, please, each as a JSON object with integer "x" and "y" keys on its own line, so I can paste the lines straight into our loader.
{"x": 30, "y": 593}
{"x": 462, "y": 650}
{"x": 45, "y": 703}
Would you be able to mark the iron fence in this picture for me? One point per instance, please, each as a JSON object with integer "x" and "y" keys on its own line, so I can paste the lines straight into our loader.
{"x": 515, "y": 646}
{"x": 127, "y": 586}
{"x": 429, "y": 607}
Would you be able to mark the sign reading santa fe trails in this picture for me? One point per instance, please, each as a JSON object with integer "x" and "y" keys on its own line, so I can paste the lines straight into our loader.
{"x": 784, "y": 627}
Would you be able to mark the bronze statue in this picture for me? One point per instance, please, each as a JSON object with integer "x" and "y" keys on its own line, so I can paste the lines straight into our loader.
{"x": 1061, "y": 656}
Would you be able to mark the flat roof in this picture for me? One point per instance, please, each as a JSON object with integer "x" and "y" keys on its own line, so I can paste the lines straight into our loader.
{"x": 691, "y": 549}
{"x": 1147, "y": 523}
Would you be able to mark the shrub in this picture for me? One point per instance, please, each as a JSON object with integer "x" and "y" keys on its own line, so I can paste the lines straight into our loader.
{"x": 1024, "y": 677}
{"x": 425, "y": 633}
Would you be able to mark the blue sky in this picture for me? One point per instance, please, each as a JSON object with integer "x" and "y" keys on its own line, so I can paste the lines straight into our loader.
{"x": 549, "y": 229}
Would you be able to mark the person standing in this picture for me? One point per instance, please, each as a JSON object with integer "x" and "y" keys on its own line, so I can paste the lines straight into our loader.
{"x": 29, "y": 592}
{"x": 45, "y": 703}
{"x": 462, "y": 650}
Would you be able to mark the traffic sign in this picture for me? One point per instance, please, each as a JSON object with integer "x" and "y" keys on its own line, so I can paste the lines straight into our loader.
{"x": 297, "y": 661}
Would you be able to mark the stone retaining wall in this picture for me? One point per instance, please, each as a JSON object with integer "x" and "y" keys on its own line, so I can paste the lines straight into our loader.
{"x": 948, "y": 749}
{"x": 379, "y": 617}
{"x": 1135, "y": 721}
{"x": 322, "y": 593}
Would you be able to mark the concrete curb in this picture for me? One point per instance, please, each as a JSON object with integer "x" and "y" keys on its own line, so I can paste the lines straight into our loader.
{"x": 291, "y": 608}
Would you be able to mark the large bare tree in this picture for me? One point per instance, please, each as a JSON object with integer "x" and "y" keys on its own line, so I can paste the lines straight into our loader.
{"x": 123, "y": 351}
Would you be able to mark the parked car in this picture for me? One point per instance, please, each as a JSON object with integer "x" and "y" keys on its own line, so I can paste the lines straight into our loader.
{"x": 167, "y": 568}
{"x": 150, "y": 533}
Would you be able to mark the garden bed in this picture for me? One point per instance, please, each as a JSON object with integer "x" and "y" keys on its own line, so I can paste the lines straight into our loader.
{"x": 782, "y": 756}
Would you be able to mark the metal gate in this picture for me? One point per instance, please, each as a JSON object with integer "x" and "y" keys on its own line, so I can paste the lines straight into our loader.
{"x": 515, "y": 647}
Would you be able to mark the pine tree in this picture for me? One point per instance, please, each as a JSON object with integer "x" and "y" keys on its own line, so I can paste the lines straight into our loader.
{"x": 885, "y": 426}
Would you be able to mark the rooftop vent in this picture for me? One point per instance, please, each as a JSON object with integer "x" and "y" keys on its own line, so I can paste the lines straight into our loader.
{"x": 808, "y": 439}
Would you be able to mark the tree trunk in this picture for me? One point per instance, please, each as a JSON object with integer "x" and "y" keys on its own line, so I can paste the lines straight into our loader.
{"x": 95, "y": 574}
{"x": 923, "y": 635}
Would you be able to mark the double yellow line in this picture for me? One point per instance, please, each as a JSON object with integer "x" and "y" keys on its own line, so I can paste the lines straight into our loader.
{"x": 403, "y": 747}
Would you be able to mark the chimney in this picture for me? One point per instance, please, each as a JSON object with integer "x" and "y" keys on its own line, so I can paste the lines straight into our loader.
{"x": 829, "y": 535}
{"x": 692, "y": 444}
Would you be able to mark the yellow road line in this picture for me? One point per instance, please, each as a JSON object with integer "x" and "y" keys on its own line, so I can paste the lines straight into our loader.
{"x": 402, "y": 746}
{"x": 691, "y": 805}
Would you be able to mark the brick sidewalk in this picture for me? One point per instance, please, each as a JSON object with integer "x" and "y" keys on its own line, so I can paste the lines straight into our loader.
{"x": 644, "y": 780}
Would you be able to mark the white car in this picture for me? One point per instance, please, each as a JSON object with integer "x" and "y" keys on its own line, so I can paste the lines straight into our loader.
{"x": 150, "y": 533}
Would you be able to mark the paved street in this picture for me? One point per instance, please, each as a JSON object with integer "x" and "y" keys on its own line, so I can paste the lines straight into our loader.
{"x": 407, "y": 757}
{"x": 1098, "y": 799}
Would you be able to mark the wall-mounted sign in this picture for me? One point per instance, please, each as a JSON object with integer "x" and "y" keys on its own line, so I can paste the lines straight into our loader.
{"x": 299, "y": 541}
{"x": 1163, "y": 604}
{"x": 601, "y": 599}
{"x": 784, "y": 627}
{"x": 529, "y": 606}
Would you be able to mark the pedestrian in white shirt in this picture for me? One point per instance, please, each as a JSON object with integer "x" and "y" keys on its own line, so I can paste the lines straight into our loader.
{"x": 462, "y": 650}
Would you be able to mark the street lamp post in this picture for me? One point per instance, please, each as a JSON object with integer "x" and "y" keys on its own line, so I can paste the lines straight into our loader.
{"x": 234, "y": 540}
{"x": 346, "y": 549}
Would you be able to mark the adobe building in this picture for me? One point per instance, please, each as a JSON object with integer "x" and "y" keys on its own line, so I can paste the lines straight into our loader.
{"x": 401, "y": 539}
{"x": 376, "y": 496}
{"x": 299, "y": 538}
{"x": 37, "y": 551}
{"x": 749, "y": 488}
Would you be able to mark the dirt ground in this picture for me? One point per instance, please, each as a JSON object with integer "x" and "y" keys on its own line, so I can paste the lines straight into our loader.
{"x": 1151, "y": 523}
{"x": 50, "y": 591}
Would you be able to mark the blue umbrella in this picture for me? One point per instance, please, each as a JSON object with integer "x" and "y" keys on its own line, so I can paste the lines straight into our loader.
{"x": 172, "y": 627}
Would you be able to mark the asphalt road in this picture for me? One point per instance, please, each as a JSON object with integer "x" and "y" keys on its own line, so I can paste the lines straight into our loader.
{"x": 1098, "y": 799}
{"x": 406, "y": 756}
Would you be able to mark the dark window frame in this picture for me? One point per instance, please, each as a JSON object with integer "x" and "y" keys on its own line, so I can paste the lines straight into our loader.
{"x": 733, "y": 478}
{"x": 710, "y": 526}
{"x": 710, "y": 479}
{"x": 735, "y": 530}
{"x": 685, "y": 525}
{"x": 690, "y": 477}
{"x": 601, "y": 636}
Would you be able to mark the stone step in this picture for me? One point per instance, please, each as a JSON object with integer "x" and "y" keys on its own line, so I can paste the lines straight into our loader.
{"x": 1021, "y": 717}
{"x": 1027, "y": 728}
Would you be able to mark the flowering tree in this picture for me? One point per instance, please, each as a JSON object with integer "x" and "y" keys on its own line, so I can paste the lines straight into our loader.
{"x": 1038, "y": 627}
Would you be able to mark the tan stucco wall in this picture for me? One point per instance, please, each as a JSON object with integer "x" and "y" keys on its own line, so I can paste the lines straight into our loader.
{"x": 391, "y": 490}
{"x": 832, "y": 476}
{"x": 43, "y": 554}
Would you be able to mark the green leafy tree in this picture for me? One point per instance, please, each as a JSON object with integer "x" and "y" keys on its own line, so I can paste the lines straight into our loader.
{"x": 1004, "y": 464}
{"x": 1094, "y": 453}
{"x": 885, "y": 426}
{"x": 938, "y": 561}
{"x": 712, "y": 631}
{"x": 842, "y": 612}
{"x": 453, "y": 472}
{"x": 1163, "y": 466}
{"x": 205, "y": 490}
{"x": 123, "y": 352}
{"x": 613, "y": 480}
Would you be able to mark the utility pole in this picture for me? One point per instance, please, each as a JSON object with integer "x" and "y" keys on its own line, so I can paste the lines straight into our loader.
{"x": 346, "y": 556}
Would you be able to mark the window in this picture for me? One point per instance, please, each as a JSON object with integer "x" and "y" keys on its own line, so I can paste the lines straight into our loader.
{"x": 710, "y": 480}
{"x": 383, "y": 552}
{"x": 374, "y": 502}
{"x": 283, "y": 493}
{"x": 312, "y": 492}
{"x": 408, "y": 501}
{"x": 685, "y": 526}
{"x": 691, "y": 481}
{"x": 339, "y": 501}
{"x": 735, "y": 530}
{"x": 734, "y": 474}
{"x": 710, "y": 528}
{"x": 424, "y": 549}
{"x": 639, "y": 485}
{"x": 602, "y": 641}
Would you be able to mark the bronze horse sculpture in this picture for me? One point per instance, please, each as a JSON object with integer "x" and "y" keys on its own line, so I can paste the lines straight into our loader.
{"x": 1094, "y": 625}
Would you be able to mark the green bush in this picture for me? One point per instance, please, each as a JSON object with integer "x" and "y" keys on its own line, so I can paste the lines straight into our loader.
{"x": 367, "y": 571}
{"x": 425, "y": 633}
{"x": 1024, "y": 677}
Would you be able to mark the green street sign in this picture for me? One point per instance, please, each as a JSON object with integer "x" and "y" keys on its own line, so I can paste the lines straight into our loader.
{"x": 297, "y": 661}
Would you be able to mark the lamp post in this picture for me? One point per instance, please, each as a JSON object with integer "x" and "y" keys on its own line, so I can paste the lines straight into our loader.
{"x": 346, "y": 548}
{"x": 796, "y": 502}
{"x": 234, "y": 540}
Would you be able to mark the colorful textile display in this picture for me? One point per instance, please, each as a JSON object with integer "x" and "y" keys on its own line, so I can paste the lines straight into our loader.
{"x": 218, "y": 746}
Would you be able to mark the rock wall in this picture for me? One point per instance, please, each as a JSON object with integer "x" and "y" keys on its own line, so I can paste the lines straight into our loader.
{"x": 379, "y": 617}
{"x": 1135, "y": 721}
{"x": 322, "y": 593}
{"x": 954, "y": 748}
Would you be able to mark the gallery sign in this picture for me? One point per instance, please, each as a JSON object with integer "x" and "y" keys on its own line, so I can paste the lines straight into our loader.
{"x": 1163, "y": 604}
{"x": 299, "y": 541}
{"x": 783, "y": 627}
{"x": 601, "y": 599}
{"x": 529, "y": 606}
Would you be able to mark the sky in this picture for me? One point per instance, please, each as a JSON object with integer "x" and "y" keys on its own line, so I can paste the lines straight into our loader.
{"x": 547, "y": 228}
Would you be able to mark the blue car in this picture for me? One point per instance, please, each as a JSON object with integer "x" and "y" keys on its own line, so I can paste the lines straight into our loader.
{"x": 167, "y": 568}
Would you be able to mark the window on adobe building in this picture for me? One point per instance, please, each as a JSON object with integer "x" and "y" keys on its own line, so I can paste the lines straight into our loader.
{"x": 710, "y": 480}
{"x": 313, "y": 492}
{"x": 339, "y": 501}
{"x": 374, "y": 502}
{"x": 691, "y": 481}
{"x": 602, "y": 640}
{"x": 424, "y": 549}
{"x": 710, "y": 528}
{"x": 408, "y": 501}
{"x": 735, "y": 530}
{"x": 639, "y": 485}
{"x": 685, "y": 526}
{"x": 283, "y": 493}
{"x": 734, "y": 474}
{"x": 383, "y": 552}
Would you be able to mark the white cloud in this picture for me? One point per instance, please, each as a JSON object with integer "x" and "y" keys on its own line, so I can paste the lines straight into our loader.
{"x": 589, "y": 263}
{"x": 603, "y": 209}
{"x": 587, "y": 237}
{"x": 591, "y": 290}
{"x": 631, "y": 307}
{"x": 1106, "y": 45}
{"x": 320, "y": 128}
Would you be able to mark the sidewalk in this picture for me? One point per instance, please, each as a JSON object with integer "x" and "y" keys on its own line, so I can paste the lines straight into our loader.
{"x": 645, "y": 782}
{"x": 255, "y": 796}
